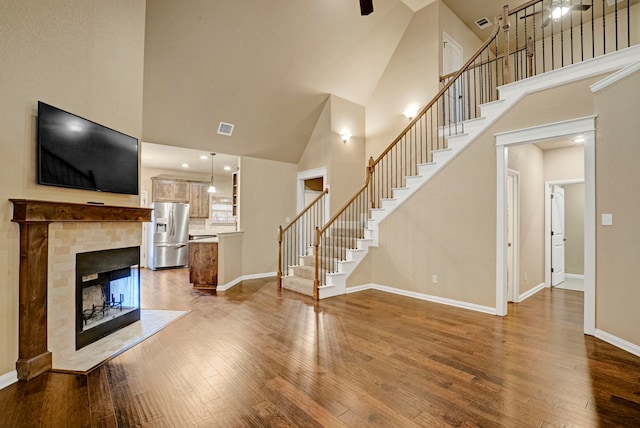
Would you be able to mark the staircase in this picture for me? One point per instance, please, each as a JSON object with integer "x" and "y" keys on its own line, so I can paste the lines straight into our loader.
{"x": 341, "y": 243}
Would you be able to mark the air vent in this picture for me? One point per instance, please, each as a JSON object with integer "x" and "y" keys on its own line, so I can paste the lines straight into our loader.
{"x": 483, "y": 23}
{"x": 225, "y": 129}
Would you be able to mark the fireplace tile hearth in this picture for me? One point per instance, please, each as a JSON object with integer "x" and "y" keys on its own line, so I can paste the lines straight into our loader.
{"x": 103, "y": 350}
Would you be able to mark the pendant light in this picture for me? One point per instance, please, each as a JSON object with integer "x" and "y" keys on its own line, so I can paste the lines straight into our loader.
{"x": 212, "y": 188}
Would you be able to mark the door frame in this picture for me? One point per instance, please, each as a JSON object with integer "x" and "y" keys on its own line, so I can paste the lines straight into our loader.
{"x": 321, "y": 172}
{"x": 586, "y": 127}
{"x": 548, "y": 189}
{"x": 515, "y": 297}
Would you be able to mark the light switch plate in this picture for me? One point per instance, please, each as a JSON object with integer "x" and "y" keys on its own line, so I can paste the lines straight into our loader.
{"x": 607, "y": 219}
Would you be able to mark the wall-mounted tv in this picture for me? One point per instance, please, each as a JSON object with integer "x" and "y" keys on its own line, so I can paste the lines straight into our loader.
{"x": 78, "y": 153}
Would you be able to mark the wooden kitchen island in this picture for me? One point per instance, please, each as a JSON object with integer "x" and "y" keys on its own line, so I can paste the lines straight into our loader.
{"x": 203, "y": 263}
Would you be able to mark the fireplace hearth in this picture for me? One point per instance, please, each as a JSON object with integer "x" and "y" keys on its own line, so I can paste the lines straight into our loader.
{"x": 107, "y": 292}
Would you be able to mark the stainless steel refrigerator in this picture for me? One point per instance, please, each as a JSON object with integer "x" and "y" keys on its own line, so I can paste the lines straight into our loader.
{"x": 169, "y": 235}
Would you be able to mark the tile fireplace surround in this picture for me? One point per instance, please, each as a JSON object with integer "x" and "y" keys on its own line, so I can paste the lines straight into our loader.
{"x": 51, "y": 233}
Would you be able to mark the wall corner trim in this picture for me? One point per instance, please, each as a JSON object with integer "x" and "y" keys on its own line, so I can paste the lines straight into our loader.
{"x": 422, "y": 296}
{"x": 531, "y": 292}
{"x": 618, "y": 342}
{"x": 8, "y": 379}
{"x": 238, "y": 280}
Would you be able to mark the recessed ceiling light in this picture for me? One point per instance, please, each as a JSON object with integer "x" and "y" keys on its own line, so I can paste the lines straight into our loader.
{"x": 185, "y": 165}
{"x": 579, "y": 139}
{"x": 204, "y": 157}
{"x": 227, "y": 168}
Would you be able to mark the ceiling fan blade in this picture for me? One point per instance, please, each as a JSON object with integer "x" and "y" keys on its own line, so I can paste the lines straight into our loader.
{"x": 366, "y": 7}
{"x": 580, "y": 7}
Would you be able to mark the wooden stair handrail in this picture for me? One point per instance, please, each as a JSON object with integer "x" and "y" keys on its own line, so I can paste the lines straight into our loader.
{"x": 442, "y": 91}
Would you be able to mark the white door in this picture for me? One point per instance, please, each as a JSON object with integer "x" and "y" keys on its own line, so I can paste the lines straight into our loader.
{"x": 557, "y": 235}
{"x": 452, "y": 61}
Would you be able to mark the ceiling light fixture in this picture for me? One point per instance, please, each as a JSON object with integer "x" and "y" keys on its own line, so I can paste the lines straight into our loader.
{"x": 185, "y": 165}
{"x": 559, "y": 12}
{"x": 204, "y": 157}
{"x": 346, "y": 136}
{"x": 579, "y": 139}
{"x": 227, "y": 168}
{"x": 212, "y": 188}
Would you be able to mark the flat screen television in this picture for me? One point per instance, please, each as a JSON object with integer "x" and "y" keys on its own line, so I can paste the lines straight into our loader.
{"x": 78, "y": 153}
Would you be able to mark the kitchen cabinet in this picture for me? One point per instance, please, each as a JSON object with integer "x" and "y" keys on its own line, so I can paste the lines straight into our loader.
{"x": 193, "y": 193}
{"x": 165, "y": 190}
{"x": 203, "y": 263}
{"x": 198, "y": 200}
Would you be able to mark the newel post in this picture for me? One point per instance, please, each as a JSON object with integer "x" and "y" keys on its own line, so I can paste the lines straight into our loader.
{"x": 505, "y": 28}
{"x": 370, "y": 180}
{"x": 316, "y": 281}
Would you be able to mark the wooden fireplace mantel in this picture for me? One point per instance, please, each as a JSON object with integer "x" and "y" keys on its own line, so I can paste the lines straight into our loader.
{"x": 34, "y": 218}
{"x": 27, "y": 210}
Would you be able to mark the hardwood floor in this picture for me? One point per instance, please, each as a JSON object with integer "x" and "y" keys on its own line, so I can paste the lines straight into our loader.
{"x": 255, "y": 356}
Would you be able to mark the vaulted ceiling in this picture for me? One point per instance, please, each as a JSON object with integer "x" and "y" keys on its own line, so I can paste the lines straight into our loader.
{"x": 267, "y": 67}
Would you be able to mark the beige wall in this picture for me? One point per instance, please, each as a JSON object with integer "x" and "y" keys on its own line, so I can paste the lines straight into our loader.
{"x": 411, "y": 77}
{"x": 564, "y": 164}
{"x": 528, "y": 160}
{"x": 413, "y": 73}
{"x": 447, "y": 228}
{"x": 574, "y": 228}
{"x": 617, "y": 178}
{"x": 347, "y": 171}
{"x": 316, "y": 153}
{"x": 267, "y": 197}
{"x": 85, "y": 57}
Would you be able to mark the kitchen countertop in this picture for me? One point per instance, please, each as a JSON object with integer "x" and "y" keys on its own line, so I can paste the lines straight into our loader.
{"x": 204, "y": 241}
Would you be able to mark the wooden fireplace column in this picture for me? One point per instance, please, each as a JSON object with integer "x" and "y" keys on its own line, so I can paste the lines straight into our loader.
{"x": 34, "y": 218}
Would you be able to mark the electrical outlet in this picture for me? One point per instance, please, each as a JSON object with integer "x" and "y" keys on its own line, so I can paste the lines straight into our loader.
{"x": 434, "y": 279}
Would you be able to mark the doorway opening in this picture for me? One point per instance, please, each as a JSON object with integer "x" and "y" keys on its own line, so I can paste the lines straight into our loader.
{"x": 564, "y": 223}
{"x": 585, "y": 127}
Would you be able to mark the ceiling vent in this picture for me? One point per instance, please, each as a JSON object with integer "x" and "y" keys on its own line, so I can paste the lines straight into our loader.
{"x": 225, "y": 129}
{"x": 483, "y": 23}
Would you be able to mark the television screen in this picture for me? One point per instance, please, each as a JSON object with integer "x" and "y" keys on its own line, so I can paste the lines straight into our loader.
{"x": 78, "y": 153}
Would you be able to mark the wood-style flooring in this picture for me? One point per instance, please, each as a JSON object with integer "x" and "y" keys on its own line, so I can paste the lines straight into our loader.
{"x": 258, "y": 357}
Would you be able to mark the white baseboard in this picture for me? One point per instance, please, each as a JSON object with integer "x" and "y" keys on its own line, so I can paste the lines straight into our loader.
{"x": 8, "y": 379}
{"x": 422, "y": 296}
{"x": 238, "y": 280}
{"x": 531, "y": 292}
{"x": 617, "y": 342}
{"x": 573, "y": 276}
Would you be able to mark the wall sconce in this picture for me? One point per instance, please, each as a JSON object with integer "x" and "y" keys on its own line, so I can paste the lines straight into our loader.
{"x": 346, "y": 136}
{"x": 411, "y": 111}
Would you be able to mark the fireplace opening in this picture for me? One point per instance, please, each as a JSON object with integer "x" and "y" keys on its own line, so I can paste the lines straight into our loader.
{"x": 107, "y": 292}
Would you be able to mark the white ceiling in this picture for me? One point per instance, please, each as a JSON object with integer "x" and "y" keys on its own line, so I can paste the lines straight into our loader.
{"x": 172, "y": 158}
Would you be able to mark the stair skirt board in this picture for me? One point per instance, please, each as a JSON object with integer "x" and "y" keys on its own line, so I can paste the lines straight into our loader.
{"x": 421, "y": 296}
